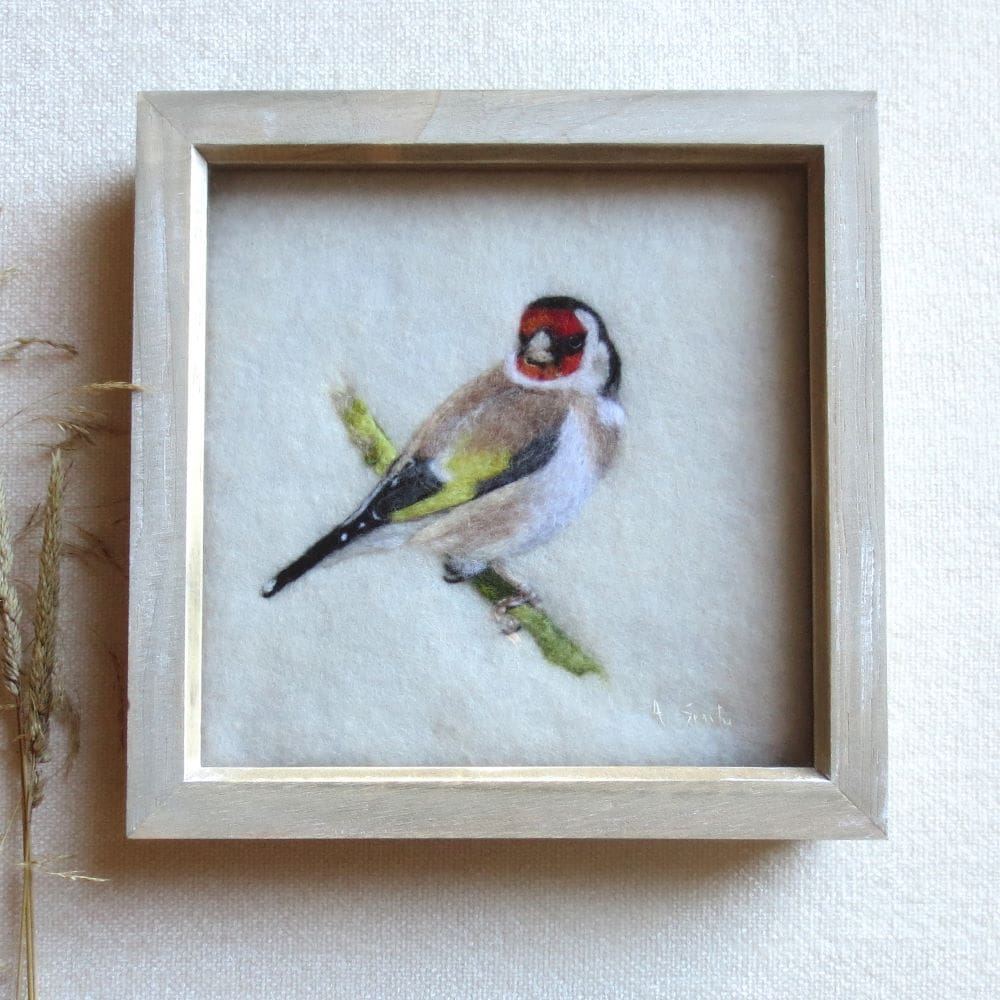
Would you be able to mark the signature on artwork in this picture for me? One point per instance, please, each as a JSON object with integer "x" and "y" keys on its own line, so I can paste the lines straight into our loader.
{"x": 714, "y": 717}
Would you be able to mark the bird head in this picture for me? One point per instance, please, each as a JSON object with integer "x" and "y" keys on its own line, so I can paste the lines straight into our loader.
{"x": 563, "y": 341}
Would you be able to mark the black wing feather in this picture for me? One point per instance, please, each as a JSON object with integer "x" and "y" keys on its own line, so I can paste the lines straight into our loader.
{"x": 532, "y": 457}
{"x": 408, "y": 484}
{"x": 402, "y": 487}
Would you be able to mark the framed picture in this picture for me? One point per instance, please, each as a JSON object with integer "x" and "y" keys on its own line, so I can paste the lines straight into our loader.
{"x": 507, "y": 465}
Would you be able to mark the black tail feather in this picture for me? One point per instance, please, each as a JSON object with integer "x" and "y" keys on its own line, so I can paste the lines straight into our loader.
{"x": 339, "y": 538}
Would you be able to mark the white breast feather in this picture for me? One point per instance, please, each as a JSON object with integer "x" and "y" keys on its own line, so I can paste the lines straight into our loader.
{"x": 560, "y": 488}
{"x": 610, "y": 412}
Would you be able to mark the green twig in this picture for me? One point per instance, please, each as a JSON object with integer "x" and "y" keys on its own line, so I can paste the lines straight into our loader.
{"x": 379, "y": 452}
{"x": 365, "y": 434}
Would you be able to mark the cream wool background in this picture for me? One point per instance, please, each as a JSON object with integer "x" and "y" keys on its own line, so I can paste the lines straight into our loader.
{"x": 687, "y": 574}
{"x": 912, "y": 917}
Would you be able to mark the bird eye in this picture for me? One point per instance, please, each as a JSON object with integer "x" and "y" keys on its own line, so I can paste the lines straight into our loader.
{"x": 575, "y": 342}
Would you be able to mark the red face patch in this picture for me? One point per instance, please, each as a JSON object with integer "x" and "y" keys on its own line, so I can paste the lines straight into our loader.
{"x": 561, "y": 322}
{"x": 568, "y": 335}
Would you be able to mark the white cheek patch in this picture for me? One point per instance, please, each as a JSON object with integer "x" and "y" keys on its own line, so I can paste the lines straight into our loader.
{"x": 599, "y": 367}
{"x": 596, "y": 365}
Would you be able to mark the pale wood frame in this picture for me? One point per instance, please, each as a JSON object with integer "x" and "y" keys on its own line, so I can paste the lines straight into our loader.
{"x": 832, "y": 138}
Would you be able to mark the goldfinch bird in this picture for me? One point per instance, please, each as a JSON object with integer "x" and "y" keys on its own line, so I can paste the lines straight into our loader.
{"x": 504, "y": 463}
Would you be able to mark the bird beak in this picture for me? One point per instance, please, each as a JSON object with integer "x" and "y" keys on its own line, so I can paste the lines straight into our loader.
{"x": 539, "y": 349}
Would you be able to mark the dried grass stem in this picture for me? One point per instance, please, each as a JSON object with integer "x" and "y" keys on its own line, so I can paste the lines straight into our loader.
{"x": 37, "y": 678}
{"x": 14, "y": 348}
{"x": 10, "y": 605}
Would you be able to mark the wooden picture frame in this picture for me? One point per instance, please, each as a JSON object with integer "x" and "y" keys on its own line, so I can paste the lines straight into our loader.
{"x": 831, "y": 139}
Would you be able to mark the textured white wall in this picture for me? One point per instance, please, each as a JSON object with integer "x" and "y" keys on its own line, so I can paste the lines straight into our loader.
{"x": 912, "y": 917}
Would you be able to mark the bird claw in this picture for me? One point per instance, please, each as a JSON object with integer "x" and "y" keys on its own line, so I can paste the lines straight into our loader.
{"x": 501, "y": 610}
{"x": 456, "y": 571}
{"x": 509, "y": 625}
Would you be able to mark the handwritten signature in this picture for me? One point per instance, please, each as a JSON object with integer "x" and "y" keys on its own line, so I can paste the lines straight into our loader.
{"x": 694, "y": 717}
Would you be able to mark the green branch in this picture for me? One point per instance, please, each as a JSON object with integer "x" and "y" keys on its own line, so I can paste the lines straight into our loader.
{"x": 379, "y": 452}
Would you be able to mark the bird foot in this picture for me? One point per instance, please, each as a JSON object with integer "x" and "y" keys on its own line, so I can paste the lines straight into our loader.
{"x": 501, "y": 610}
{"x": 458, "y": 572}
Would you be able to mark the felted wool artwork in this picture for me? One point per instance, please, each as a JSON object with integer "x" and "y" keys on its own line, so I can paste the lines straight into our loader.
{"x": 594, "y": 395}
{"x": 503, "y": 464}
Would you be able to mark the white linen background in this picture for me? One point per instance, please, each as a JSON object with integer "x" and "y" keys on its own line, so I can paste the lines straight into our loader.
{"x": 911, "y": 917}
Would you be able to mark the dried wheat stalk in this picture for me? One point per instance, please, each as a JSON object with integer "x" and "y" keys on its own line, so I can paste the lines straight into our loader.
{"x": 79, "y": 425}
{"x": 10, "y": 605}
{"x": 37, "y": 679}
{"x": 14, "y": 348}
{"x": 112, "y": 386}
{"x": 10, "y": 645}
{"x": 31, "y": 681}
